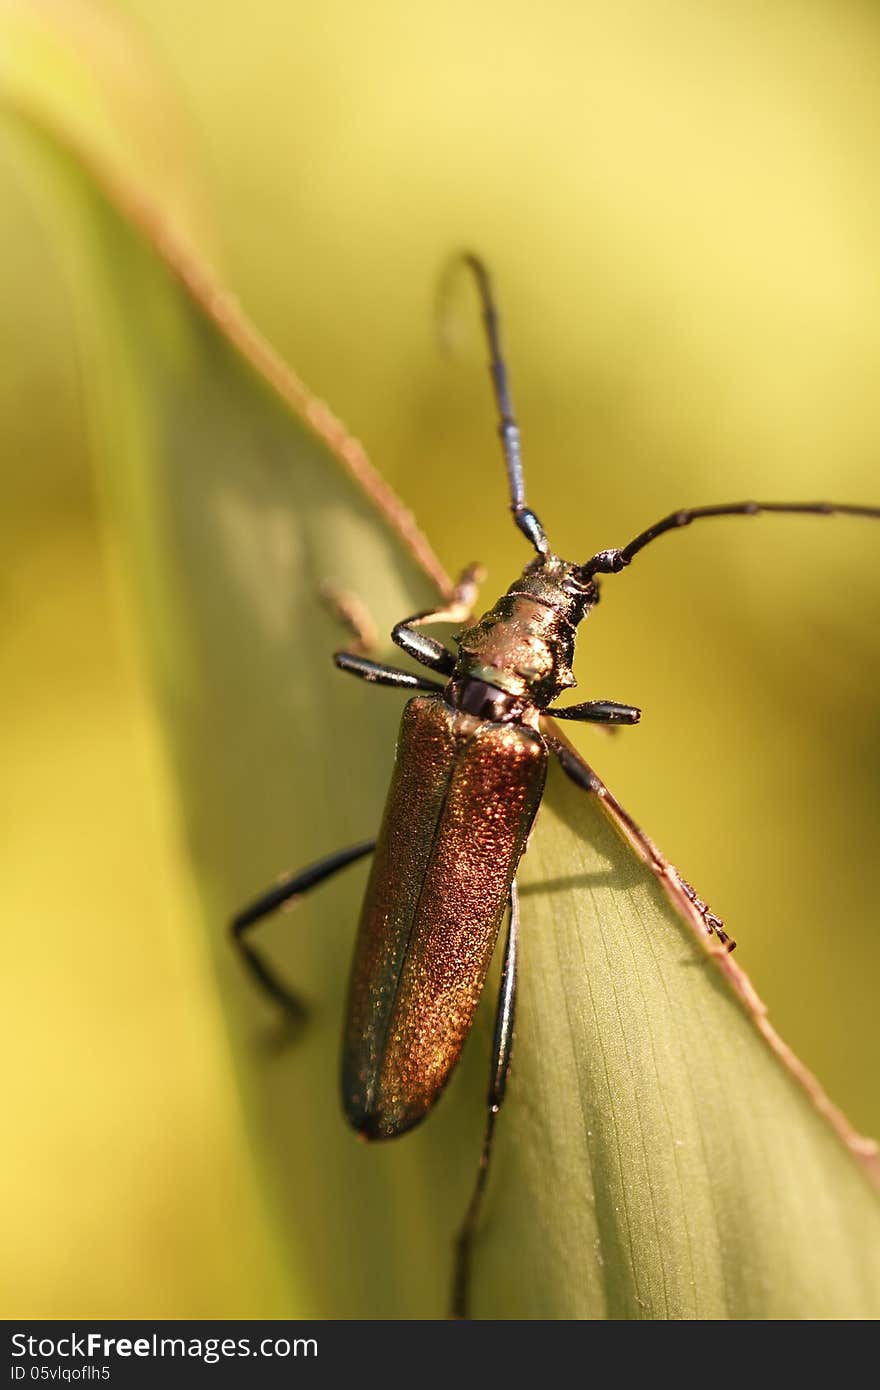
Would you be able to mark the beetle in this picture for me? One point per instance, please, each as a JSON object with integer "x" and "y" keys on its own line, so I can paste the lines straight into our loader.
{"x": 471, "y": 762}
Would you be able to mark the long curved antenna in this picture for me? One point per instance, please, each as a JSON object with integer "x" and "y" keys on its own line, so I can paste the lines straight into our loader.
{"x": 613, "y": 561}
{"x": 508, "y": 429}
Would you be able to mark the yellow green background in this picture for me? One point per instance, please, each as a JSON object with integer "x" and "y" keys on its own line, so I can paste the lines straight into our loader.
{"x": 680, "y": 205}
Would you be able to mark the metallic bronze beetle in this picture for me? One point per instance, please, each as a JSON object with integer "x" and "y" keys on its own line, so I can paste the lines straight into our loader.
{"x": 468, "y": 780}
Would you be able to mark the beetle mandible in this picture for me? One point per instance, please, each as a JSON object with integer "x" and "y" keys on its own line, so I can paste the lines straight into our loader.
{"x": 469, "y": 774}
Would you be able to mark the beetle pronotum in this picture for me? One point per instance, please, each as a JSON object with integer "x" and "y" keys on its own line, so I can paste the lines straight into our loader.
{"x": 472, "y": 757}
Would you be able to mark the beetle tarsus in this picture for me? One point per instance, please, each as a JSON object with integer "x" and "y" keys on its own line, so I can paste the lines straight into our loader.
{"x": 714, "y": 924}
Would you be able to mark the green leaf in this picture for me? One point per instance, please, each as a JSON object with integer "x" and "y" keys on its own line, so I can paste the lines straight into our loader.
{"x": 660, "y": 1158}
{"x": 660, "y": 1154}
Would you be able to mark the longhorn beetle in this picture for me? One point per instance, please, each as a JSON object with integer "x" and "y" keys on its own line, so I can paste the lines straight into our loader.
{"x": 471, "y": 761}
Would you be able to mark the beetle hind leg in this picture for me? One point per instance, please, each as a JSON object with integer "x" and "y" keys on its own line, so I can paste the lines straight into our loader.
{"x": 501, "y": 1052}
{"x": 286, "y": 892}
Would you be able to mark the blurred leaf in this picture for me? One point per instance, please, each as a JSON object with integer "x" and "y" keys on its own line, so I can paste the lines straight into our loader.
{"x": 72, "y": 63}
{"x": 656, "y": 1158}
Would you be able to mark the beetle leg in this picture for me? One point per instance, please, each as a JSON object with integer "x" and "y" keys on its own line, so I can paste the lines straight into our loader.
{"x": 353, "y": 614}
{"x": 382, "y": 675}
{"x": 598, "y": 712}
{"x": 713, "y": 923}
{"x": 501, "y": 1051}
{"x": 584, "y": 776}
{"x": 427, "y": 650}
{"x": 459, "y": 610}
{"x": 287, "y": 891}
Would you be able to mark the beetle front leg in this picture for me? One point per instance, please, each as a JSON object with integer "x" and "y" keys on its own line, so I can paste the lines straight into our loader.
{"x": 598, "y": 712}
{"x": 501, "y": 1052}
{"x": 287, "y": 891}
{"x": 352, "y": 613}
{"x": 459, "y": 610}
{"x": 378, "y": 674}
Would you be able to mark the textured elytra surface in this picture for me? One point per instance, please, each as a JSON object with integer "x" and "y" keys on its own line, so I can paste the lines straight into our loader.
{"x": 655, "y": 1160}
{"x": 462, "y": 800}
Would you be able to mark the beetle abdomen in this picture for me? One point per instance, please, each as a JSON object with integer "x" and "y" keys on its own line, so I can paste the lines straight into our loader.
{"x": 460, "y": 807}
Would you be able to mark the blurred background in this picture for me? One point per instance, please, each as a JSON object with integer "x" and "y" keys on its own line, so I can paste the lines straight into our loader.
{"x": 681, "y": 208}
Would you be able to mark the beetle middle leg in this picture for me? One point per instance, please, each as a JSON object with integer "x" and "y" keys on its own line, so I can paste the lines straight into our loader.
{"x": 287, "y": 891}
{"x": 501, "y": 1051}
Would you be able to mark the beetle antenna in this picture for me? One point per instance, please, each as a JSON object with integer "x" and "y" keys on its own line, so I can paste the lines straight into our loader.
{"x": 613, "y": 561}
{"x": 508, "y": 429}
